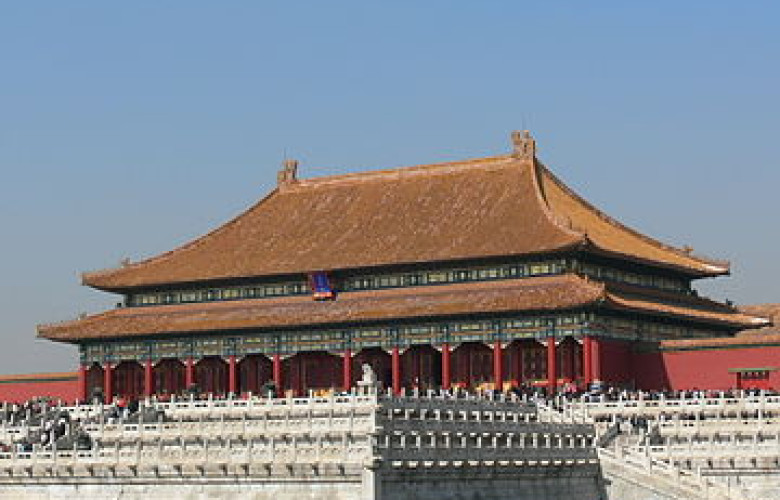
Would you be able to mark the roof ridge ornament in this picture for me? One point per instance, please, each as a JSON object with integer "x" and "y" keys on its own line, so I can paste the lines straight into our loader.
{"x": 288, "y": 174}
{"x": 524, "y": 145}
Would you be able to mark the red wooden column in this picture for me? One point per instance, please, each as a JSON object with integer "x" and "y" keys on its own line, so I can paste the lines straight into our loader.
{"x": 148, "y": 380}
{"x": 446, "y": 373}
{"x": 189, "y": 372}
{"x": 595, "y": 361}
{"x": 396, "y": 369}
{"x": 108, "y": 383}
{"x": 498, "y": 367}
{"x": 587, "y": 355}
{"x": 552, "y": 366}
{"x": 277, "y": 372}
{"x": 232, "y": 379}
{"x": 346, "y": 380}
{"x": 82, "y": 383}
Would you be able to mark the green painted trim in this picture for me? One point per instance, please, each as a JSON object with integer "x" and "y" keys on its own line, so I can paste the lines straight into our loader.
{"x": 448, "y": 275}
{"x": 403, "y": 334}
{"x": 28, "y": 380}
{"x": 743, "y": 370}
{"x": 435, "y": 274}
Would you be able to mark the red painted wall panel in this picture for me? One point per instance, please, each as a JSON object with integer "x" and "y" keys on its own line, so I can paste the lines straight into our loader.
{"x": 20, "y": 391}
{"x": 649, "y": 371}
{"x": 703, "y": 369}
{"x": 616, "y": 362}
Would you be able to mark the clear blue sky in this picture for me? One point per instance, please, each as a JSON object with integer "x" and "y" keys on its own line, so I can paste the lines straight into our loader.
{"x": 128, "y": 129}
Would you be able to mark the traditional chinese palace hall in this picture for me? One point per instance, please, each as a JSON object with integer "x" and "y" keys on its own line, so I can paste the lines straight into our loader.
{"x": 485, "y": 273}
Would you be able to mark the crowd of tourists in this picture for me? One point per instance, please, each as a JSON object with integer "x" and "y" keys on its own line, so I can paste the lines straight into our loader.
{"x": 50, "y": 426}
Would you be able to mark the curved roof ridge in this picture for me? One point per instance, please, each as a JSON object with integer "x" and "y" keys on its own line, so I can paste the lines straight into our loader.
{"x": 710, "y": 265}
{"x": 538, "y": 168}
{"x": 88, "y": 276}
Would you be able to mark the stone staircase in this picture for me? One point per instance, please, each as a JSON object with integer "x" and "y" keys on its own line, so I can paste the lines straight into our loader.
{"x": 699, "y": 448}
{"x": 370, "y": 446}
{"x": 361, "y": 445}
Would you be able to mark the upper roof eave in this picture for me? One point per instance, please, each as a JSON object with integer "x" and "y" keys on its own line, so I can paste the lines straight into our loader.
{"x": 711, "y": 272}
{"x": 592, "y": 222}
{"x": 99, "y": 279}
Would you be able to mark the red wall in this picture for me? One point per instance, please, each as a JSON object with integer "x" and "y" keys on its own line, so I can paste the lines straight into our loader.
{"x": 649, "y": 371}
{"x": 703, "y": 368}
{"x": 616, "y": 359}
{"x": 22, "y": 388}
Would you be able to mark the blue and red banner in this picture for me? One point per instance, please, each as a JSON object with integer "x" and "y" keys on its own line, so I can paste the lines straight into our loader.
{"x": 320, "y": 286}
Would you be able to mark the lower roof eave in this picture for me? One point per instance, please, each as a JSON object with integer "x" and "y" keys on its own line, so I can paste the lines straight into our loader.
{"x": 553, "y": 293}
{"x": 238, "y": 331}
{"x": 712, "y": 272}
{"x": 688, "y": 315}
